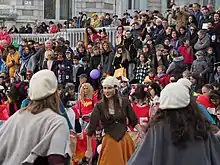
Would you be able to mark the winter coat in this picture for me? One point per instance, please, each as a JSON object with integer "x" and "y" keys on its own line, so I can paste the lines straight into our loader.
{"x": 106, "y": 22}
{"x": 216, "y": 78}
{"x": 210, "y": 61}
{"x": 181, "y": 18}
{"x": 164, "y": 79}
{"x": 187, "y": 53}
{"x": 177, "y": 67}
{"x": 95, "y": 61}
{"x": 67, "y": 71}
{"x": 13, "y": 66}
{"x": 199, "y": 67}
{"x": 202, "y": 44}
{"x": 106, "y": 62}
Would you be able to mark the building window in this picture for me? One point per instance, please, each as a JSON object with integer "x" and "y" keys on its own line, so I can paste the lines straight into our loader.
{"x": 108, "y": 6}
{"x": 27, "y": 12}
{"x": 64, "y": 7}
{"x": 50, "y": 9}
{"x": 28, "y": 2}
{"x": 136, "y": 4}
{"x": 129, "y": 4}
{"x": 90, "y": 5}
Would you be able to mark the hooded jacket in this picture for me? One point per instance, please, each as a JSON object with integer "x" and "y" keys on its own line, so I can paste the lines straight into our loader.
{"x": 177, "y": 67}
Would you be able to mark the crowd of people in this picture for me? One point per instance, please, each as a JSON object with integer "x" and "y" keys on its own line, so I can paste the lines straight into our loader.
{"x": 81, "y": 21}
{"x": 158, "y": 84}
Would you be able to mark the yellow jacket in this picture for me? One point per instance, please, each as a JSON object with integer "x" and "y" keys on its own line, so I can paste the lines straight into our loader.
{"x": 12, "y": 66}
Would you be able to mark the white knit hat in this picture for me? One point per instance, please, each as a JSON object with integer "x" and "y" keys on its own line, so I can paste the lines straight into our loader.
{"x": 42, "y": 84}
{"x": 111, "y": 81}
{"x": 174, "y": 96}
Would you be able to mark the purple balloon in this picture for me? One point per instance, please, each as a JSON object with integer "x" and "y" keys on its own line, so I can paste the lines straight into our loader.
{"x": 94, "y": 74}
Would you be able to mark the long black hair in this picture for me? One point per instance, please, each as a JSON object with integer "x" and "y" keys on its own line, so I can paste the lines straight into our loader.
{"x": 185, "y": 124}
{"x": 119, "y": 113}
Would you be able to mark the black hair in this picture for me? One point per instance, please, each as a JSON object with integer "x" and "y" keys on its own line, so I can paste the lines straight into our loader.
{"x": 185, "y": 124}
{"x": 156, "y": 87}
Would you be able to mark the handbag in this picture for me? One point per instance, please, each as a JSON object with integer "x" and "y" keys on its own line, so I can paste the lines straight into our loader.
{"x": 120, "y": 72}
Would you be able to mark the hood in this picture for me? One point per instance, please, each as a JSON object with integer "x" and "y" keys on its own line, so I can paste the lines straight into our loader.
{"x": 178, "y": 59}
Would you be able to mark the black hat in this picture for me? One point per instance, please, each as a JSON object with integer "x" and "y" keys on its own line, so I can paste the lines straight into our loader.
{"x": 115, "y": 16}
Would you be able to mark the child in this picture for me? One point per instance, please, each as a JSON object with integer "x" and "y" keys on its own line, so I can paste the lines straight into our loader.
{"x": 75, "y": 68}
{"x": 200, "y": 66}
{"x": 150, "y": 77}
{"x": 187, "y": 52}
{"x": 161, "y": 76}
{"x": 210, "y": 59}
{"x": 67, "y": 68}
{"x": 216, "y": 75}
{"x": 95, "y": 60}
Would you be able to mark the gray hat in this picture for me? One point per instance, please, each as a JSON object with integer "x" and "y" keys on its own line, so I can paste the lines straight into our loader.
{"x": 83, "y": 75}
{"x": 199, "y": 53}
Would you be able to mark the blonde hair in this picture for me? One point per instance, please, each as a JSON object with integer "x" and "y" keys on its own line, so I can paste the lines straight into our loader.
{"x": 82, "y": 93}
{"x": 49, "y": 52}
{"x": 52, "y": 102}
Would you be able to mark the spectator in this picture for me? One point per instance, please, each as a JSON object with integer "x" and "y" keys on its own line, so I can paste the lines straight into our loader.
{"x": 203, "y": 41}
{"x": 53, "y": 27}
{"x": 115, "y": 22}
{"x": 12, "y": 60}
{"x": 187, "y": 52}
{"x": 200, "y": 66}
{"x": 107, "y": 21}
{"x": 4, "y": 35}
{"x": 13, "y": 30}
{"x": 177, "y": 67}
{"x": 95, "y": 22}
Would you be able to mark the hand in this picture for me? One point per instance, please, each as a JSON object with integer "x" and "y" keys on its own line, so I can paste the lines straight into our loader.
{"x": 88, "y": 154}
{"x": 13, "y": 61}
{"x": 200, "y": 74}
{"x": 141, "y": 134}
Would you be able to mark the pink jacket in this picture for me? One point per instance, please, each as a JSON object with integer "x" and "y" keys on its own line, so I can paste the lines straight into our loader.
{"x": 5, "y": 36}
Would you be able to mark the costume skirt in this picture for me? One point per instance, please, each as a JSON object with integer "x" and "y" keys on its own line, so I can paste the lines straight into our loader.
{"x": 114, "y": 152}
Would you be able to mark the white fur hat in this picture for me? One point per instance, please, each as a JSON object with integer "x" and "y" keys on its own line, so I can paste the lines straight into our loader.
{"x": 174, "y": 96}
{"x": 42, "y": 84}
{"x": 111, "y": 81}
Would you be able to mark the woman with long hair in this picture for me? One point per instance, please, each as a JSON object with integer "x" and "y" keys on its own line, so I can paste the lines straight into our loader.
{"x": 107, "y": 58}
{"x": 40, "y": 125}
{"x": 179, "y": 133}
{"x": 113, "y": 111}
{"x": 119, "y": 36}
{"x": 86, "y": 103}
{"x": 121, "y": 59}
{"x": 91, "y": 35}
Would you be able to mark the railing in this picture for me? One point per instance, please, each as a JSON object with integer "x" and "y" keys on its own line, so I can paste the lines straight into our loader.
{"x": 73, "y": 35}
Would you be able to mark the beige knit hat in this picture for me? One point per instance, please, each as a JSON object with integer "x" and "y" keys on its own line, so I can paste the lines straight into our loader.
{"x": 111, "y": 81}
{"x": 42, "y": 84}
{"x": 174, "y": 96}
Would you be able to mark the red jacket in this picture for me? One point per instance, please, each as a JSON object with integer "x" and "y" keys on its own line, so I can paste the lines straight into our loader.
{"x": 187, "y": 53}
{"x": 93, "y": 38}
{"x": 4, "y": 112}
{"x": 54, "y": 29}
{"x": 5, "y": 36}
{"x": 164, "y": 79}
